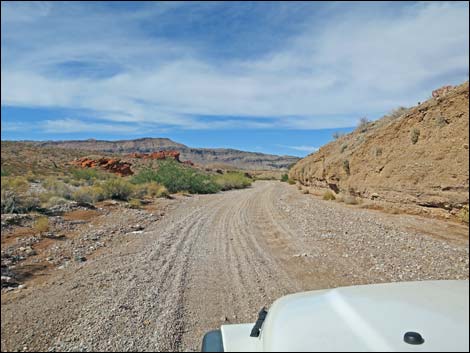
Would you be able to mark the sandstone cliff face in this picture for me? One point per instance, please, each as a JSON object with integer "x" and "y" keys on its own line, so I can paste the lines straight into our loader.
{"x": 419, "y": 158}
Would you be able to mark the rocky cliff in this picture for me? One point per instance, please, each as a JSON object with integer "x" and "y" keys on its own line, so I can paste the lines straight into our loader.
{"x": 417, "y": 156}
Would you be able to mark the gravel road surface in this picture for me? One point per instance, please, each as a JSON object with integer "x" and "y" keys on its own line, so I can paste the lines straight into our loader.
{"x": 217, "y": 259}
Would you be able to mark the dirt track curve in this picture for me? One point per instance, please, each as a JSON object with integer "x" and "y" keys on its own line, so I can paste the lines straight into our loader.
{"x": 217, "y": 259}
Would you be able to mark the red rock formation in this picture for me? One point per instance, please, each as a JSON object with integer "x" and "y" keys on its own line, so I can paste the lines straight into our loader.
{"x": 111, "y": 165}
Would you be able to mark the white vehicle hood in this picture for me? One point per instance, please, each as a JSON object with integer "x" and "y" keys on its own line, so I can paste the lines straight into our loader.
{"x": 363, "y": 318}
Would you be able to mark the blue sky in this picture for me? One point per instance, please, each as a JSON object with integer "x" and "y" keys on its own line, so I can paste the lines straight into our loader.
{"x": 276, "y": 77}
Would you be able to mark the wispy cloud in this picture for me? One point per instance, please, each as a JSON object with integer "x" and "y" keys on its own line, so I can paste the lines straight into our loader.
{"x": 143, "y": 66}
{"x": 74, "y": 126}
{"x": 308, "y": 149}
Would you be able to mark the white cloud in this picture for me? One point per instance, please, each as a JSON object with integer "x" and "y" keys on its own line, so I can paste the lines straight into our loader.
{"x": 356, "y": 63}
{"x": 74, "y": 126}
{"x": 303, "y": 148}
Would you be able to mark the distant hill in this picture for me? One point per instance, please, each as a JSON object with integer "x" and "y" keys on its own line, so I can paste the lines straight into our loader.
{"x": 417, "y": 156}
{"x": 205, "y": 156}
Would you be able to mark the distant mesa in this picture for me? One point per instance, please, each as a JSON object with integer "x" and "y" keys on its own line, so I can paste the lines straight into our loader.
{"x": 156, "y": 155}
{"x": 116, "y": 166}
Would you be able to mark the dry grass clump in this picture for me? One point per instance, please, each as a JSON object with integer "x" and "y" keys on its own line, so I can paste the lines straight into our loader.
{"x": 350, "y": 200}
{"x": 463, "y": 214}
{"x": 150, "y": 189}
{"x": 415, "y": 135}
{"x": 15, "y": 195}
{"x": 328, "y": 195}
{"x": 135, "y": 203}
{"x": 89, "y": 194}
{"x": 41, "y": 225}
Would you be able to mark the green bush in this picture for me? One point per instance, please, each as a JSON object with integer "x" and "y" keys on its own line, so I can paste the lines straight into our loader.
{"x": 284, "y": 178}
{"x": 176, "y": 177}
{"x": 85, "y": 174}
{"x": 117, "y": 188}
{"x": 232, "y": 180}
{"x": 328, "y": 195}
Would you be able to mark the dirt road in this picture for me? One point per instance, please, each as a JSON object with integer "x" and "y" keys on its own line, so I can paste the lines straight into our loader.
{"x": 217, "y": 259}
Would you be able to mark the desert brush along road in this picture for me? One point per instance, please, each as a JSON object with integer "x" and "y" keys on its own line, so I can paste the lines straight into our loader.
{"x": 215, "y": 259}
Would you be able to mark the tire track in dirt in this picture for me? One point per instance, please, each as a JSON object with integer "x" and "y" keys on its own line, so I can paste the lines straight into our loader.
{"x": 213, "y": 260}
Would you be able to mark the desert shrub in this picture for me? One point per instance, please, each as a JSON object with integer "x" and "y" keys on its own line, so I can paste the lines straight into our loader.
{"x": 328, "y": 195}
{"x": 57, "y": 187}
{"x": 336, "y": 135}
{"x": 397, "y": 112}
{"x": 346, "y": 167}
{"x": 89, "y": 194}
{"x": 363, "y": 123}
{"x": 343, "y": 148}
{"x": 415, "y": 135}
{"x": 31, "y": 177}
{"x": 232, "y": 180}
{"x": 75, "y": 182}
{"x": 85, "y": 174}
{"x": 4, "y": 172}
{"x": 15, "y": 196}
{"x": 135, "y": 203}
{"x": 41, "y": 225}
{"x": 441, "y": 121}
{"x": 284, "y": 178}
{"x": 291, "y": 181}
{"x": 54, "y": 201}
{"x": 117, "y": 188}
{"x": 350, "y": 200}
{"x": 151, "y": 189}
{"x": 178, "y": 178}
{"x": 378, "y": 151}
{"x": 463, "y": 214}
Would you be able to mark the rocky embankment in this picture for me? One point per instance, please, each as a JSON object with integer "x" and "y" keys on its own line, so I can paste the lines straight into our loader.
{"x": 414, "y": 158}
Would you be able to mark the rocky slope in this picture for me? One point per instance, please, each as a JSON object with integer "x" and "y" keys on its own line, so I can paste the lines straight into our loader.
{"x": 204, "y": 156}
{"x": 417, "y": 156}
